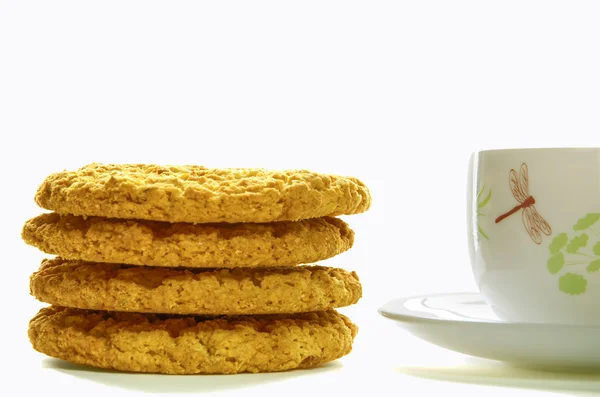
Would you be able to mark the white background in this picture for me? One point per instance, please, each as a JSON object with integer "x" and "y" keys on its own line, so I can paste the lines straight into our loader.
{"x": 397, "y": 93}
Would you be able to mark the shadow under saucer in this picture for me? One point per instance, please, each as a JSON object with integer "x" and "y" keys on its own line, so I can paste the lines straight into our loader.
{"x": 157, "y": 383}
{"x": 490, "y": 373}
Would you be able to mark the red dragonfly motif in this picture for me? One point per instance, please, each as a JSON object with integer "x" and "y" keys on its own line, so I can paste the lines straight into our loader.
{"x": 532, "y": 220}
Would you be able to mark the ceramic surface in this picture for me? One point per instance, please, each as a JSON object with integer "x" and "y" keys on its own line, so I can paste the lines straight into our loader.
{"x": 534, "y": 233}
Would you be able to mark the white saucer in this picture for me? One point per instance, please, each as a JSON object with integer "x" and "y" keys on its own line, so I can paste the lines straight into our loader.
{"x": 463, "y": 322}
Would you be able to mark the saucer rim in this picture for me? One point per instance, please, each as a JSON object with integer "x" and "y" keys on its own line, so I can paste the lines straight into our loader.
{"x": 413, "y": 317}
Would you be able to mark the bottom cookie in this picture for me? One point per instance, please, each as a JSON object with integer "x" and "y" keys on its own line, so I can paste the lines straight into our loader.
{"x": 171, "y": 344}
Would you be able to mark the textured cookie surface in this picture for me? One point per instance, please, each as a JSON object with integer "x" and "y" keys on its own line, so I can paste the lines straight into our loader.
{"x": 153, "y": 243}
{"x": 200, "y": 195}
{"x": 107, "y": 286}
{"x": 191, "y": 345}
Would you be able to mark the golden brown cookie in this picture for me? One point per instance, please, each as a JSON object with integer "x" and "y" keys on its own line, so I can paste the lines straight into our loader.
{"x": 191, "y": 345}
{"x": 107, "y": 286}
{"x": 154, "y": 243}
{"x": 196, "y": 194}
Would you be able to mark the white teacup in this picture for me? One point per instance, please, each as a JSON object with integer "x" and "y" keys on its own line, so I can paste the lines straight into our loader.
{"x": 534, "y": 233}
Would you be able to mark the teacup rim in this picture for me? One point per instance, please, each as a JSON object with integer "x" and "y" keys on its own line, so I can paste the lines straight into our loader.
{"x": 540, "y": 149}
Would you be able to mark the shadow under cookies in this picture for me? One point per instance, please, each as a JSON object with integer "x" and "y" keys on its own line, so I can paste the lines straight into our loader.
{"x": 184, "y": 384}
{"x": 488, "y": 373}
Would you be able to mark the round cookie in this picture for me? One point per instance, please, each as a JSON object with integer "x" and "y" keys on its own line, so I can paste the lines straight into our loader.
{"x": 154, "y": 243}
{"x": 115, "y": 287}
{"x": 191, "y": 345}
{"x": 197, "y": 194}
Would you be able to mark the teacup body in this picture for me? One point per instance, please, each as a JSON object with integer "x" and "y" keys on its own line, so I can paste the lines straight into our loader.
{"x": 534, "y": 233}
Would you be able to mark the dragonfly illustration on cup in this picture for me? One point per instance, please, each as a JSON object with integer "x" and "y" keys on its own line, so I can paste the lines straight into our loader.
{"x": 532, "y": 220}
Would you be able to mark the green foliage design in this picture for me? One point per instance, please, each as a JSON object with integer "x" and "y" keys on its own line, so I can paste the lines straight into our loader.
{"x": 576, "y": 243}
{"x": 572, "y": 284}
{"x": 586, "y": 222}
{"x": 481, "y": 203}
{"x": 558, "y": 243}
{"x": 579, "y": 253}
{"x": 594, "y": 266}
{"x": 556, "y": 262}
{"x": 596, "y": 248}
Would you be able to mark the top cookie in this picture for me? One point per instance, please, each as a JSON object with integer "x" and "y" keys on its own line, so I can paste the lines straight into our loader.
{"x": 196, "y": 194}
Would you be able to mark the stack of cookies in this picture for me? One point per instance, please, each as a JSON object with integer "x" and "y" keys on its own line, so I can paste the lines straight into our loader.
{"x": 185, "y": 269}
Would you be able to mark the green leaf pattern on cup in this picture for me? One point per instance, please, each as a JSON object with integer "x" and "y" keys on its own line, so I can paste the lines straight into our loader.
{"x": 586, "y": 222}
{"x": 577, "y": 243}
{"x": 577, "y": 255}
{"x": 556, "y": 262}
{"x": 558, "y": 243}
{"x": 481, "y": 203}
{"x": 596, "y": 248}
{"x": 572, "y": 284}
{"x": 594, "y": 266}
